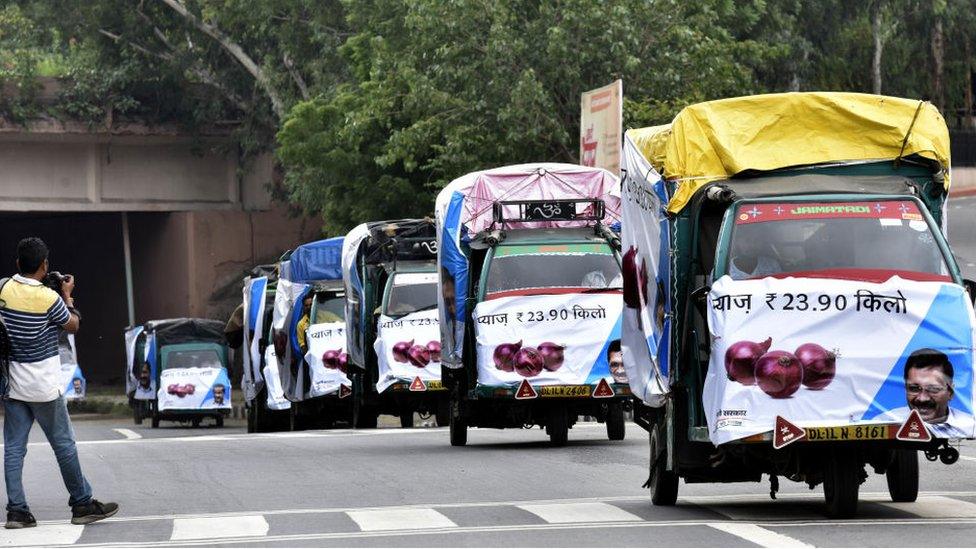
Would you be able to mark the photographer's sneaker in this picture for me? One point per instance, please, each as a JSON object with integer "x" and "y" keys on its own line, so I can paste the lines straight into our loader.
{"x": 19, "y": 519}
{"x": 89, "y": 513}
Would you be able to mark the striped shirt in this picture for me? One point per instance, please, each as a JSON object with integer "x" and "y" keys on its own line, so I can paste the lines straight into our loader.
{"x": 33, "y": 313}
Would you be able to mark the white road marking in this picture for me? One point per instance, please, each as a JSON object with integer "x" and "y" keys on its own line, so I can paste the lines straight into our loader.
{"x": 757, "y": 534}
{"x": 571, "y": 513}
{"x": 55, "y": 534}
{"x": 454, "y": 532}
{"x": 214, "y": 529}
{"x": 400, "y": 519}
{"x": 933, "y": 507}
{"x": 785, "y": 499}
{"x": 967, "y": 458}
{"x": 129, "y": 434}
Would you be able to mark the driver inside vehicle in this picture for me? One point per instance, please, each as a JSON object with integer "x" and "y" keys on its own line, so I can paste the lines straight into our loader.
{"x": 751, "y": 258}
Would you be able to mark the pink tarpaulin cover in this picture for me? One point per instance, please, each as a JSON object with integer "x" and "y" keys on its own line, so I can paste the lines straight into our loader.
{"x": 543, "y": 181}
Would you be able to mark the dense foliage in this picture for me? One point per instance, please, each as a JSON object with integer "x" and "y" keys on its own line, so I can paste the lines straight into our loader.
{"x": 373, "y": 105}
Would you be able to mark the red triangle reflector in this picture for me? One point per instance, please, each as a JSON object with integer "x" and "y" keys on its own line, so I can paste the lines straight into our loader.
{"x": 603, "y": 390}
{"x": 525, "y": 390}
{"x": 914, "y": 429}
{"x": 785, "y": 433}
{"x": 418, "y": 384}
{"x": 344, "y": 391}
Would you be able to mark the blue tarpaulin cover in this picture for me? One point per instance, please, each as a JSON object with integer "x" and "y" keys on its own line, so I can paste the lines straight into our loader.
{"x": 319, "y": 260}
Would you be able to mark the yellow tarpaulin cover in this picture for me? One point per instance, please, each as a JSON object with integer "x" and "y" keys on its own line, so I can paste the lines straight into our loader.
{"x": 718, "y": 139}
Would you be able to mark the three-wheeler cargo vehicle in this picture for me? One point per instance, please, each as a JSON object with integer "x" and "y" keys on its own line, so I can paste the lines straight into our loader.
{"x": 178, "y": 370}
{"x": 530, "y": 303}
{"x": 266, "y": 406}
{"x": 393, "y": 333}
{"x": 308, "y": 335}
{"x": 792, "y": 305}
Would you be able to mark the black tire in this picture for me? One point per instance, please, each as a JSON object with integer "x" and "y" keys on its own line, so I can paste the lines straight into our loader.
{"x": 902, "y": 476}
{"x": 841, "y": 484}
{"x": 155, "y": 420}
{"x": 195, "y": 422}
{"x": 558, "y": 426}
{"x": 458, "y": 425}
{"x": 137, "y": 415}
{"x": 364, "y": 417}
{"x": 220, "y": 421}
{"x": 252, "y": 418}
{"x": 406, "y": 419}
{"x": 443, "y": 414}
{"x": 616, "y": 427}
{"x": 663, "y": 484}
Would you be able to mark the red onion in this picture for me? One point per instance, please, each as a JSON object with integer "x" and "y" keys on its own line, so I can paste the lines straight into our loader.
{"x": 819, "y": 365}
{"x": 631, "y": 288}
{"x": 400, "y": 351}
{"x": 419, "y": 356}
{"x": 434, "y": 347}
{"x": 331, "y": 358}
{"x": 552, "y": 354}
{"x": 778, "y": 374}
{"x": 505, "y": 356}
{"x": 529, "y": 362}
{"x": 741, "y": 357}
{"x": 189, "y": 388}
{"x": 344, "y": 362}
{"x": 172, "y": 389}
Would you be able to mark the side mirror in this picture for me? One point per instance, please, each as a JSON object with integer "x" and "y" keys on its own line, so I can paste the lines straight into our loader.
{"x": 970, "y": 289}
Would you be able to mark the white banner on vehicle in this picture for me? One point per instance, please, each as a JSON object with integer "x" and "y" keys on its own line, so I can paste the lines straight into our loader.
{"x": 73, "y": 381}
{"x": 255, "y": 296}
{"x": 646, "y": 267}
{"x": 275, "y": 396}
{"x": 822, "y": 352}
{"x": 569, "y": 339}
{"x": 130, "y": 334}
{"x": 145, "y": 375}
{"x": 408, "y": 347}
{"x": 327, "y": 358}
{"x": 194, "y": 389}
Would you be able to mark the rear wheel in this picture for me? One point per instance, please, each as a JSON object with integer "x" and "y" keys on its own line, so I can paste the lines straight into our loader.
{"x": 442, "y": 415}
{"x": 616, "y": 428}
{"x": 138, "y": 412}
{"x": 406, "y": 419}
{"x": 663, "y": 483}
{"x": 902, "y": 476}
{"x": 155, "y": 420}
{"x": 558, "y": 426}
{"x": 841, "y": 484}
{"x": 458, "y": 425}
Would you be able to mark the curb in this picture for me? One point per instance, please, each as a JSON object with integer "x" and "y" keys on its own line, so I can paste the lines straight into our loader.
{"x": 962, "y": 193}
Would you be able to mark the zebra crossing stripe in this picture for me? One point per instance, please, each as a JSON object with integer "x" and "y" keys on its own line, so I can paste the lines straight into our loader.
{"x": 399, "y": 519}
{"x": 219, "y": 528}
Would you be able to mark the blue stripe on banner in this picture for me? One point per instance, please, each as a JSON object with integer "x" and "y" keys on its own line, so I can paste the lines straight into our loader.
{"x": 258, "y": 287}
{"x": 601, "y": 368}
{"x": 939, "y": 330}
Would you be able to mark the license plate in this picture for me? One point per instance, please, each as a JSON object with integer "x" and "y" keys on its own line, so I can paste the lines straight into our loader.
{"x": 564, "y": 391}
{"x": 851, "y": 432}
{"x": 435, "y": 385}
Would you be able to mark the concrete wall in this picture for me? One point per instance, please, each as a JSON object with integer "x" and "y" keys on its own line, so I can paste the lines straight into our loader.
{"x": 95, "y": 172}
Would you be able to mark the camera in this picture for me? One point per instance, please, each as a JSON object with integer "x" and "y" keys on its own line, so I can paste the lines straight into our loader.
{"x": 54, "y": 280}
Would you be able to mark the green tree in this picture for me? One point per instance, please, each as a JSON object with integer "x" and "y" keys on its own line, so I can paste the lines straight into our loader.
{"x": 442, "y": 88}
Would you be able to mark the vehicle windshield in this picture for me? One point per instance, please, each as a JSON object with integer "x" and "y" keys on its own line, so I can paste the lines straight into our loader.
{"x": 412, "y": 292}
{"x": 857, "y": 240}
{"x": 199, "y": 358}
{"x": 580, "y": 267}
{"x": 329, "y": 309}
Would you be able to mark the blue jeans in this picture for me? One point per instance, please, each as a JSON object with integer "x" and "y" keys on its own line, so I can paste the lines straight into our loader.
{"x": 52, "y": 416}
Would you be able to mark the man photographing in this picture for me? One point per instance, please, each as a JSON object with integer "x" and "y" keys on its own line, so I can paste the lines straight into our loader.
{"x": 33, "y": 313}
